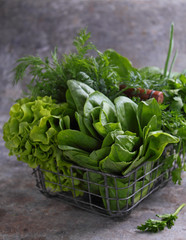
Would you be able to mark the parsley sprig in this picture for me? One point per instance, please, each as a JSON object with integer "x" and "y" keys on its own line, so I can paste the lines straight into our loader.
{"x": 167, "y": 220}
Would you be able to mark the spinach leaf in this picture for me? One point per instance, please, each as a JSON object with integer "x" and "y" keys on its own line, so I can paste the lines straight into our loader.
{"x": 77, "y": 139}
{"x": 104, "y": 119}
{"x": 69, "y": 99}
{"x": 110, "y": 138}
{"x": 152, "y": 149}
{"x": 117, "y": 160}
{"x": 96, "y": 99}
{"x": 121, "y": 154}
{"x": 81, "y": 159}
{"x": 86, "y": 159}
{"x": 79, "y": 92}
{"x": 136, "y": 162}
{"x": 156, "y": 143}
{"x": 81, "y": 124}
{"x": 109, "y": 127}
{"x": 88, "y": 123}
{"x": 107, "y": 114}
{"x": 145, "y": 111}
{"x": 126, "y": 112}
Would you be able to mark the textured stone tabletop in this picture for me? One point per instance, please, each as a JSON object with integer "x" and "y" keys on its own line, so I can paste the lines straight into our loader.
{"x": 138, "y": 29}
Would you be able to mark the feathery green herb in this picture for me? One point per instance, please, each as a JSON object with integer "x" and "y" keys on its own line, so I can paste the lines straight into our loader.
{"x": 49, "y": 77}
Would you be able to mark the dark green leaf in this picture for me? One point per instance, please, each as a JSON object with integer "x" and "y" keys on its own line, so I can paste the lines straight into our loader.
{"x": 126, "y": 112}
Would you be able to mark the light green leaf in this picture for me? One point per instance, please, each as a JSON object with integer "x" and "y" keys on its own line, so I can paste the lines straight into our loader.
{"x": 145, "y": 111}
{"x": 95, "y": 100}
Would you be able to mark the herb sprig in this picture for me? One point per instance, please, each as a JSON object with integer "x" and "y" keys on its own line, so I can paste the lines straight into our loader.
{"x": 167, "y": 220}
{"x": 49, "y": 76}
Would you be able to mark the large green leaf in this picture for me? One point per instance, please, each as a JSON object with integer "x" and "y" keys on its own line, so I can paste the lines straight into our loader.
{"x": 96, "y": 99}
{"x": 81, "y": 124}
{"x": 81, "y": 159}
{"x": 152, "y": 148}
{"x": 123, "y": 65}
{"x": 156, "y": 143}
{"x": 145, "y": 111}
{"x": 126, "y": 113}
{"x": 109, "y": 166}
{"x": 127, "y": 141}
{"x": 85, "y": 159}
{"x": 107, "y": 113}
{"x": 118, "y": 159}
{"x": 110, "y": 138}
{"x": 104, "y": 119}
{"x": 77, "y": 139}
{"x": 69, "y": 99}
{"x": 79, "y": 92}
{"x": 88, "y": 124}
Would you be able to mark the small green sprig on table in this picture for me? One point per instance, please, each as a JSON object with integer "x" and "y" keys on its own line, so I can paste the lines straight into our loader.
{"x": 167, "y": 220}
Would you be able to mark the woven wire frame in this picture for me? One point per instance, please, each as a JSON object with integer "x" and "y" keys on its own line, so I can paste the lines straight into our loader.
{"x": 113, "y": 195}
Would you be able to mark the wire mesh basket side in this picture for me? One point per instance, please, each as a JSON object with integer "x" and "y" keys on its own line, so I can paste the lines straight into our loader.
{"x": 104, "y": 193}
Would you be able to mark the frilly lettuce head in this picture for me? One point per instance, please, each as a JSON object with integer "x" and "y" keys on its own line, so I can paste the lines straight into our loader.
{"x": 30, "y": 133}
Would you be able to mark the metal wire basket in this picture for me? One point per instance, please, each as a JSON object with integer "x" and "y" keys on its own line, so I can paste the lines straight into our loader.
{"x": 107, "y": 194}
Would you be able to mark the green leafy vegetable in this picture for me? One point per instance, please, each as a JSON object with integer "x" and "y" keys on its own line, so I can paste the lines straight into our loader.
{"x": 75, "y": 114}
{"x": 104, "y": 73}
{"x": 126, "y": 113}
{"x": 146, "y": 110}
{"x": 31, "y": 135}
{"x": 77, "y": 139}
{"x": 120, "y": 194}
{"x": 79, "y": 92}
{"x": 31, "y": 131}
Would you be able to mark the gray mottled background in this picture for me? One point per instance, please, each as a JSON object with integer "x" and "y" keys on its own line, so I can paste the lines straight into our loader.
{"x": 138, "y": 29}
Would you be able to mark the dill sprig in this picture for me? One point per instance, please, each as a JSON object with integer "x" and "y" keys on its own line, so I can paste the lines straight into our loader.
{"x": 49, "y": 77}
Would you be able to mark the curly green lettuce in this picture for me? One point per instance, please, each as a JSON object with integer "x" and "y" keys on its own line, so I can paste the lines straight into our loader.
{"x": 30, "y": 133}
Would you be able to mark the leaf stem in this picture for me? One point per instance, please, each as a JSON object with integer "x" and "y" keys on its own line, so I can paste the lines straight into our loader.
{"x": 179, "y": 209}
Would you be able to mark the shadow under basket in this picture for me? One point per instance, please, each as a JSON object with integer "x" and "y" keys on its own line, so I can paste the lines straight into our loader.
{"x": 106, "y": 194}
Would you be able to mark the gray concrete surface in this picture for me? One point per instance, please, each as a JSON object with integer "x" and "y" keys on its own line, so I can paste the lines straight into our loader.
{"x": 138, "y": 29}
